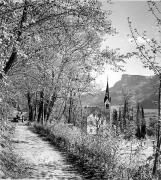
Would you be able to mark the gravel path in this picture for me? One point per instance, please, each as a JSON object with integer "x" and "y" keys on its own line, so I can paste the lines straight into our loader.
{"x": 47, "y": 161}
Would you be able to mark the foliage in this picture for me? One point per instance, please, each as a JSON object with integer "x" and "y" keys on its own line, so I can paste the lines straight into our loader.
{"x": 91, "y": 153}
{"x": 128, "y": 118}
{"x": 104, "y": 157}
{"x": 50, "y": 50}
{"x": 149, "y": 53}
{"x": 11, "y": 166}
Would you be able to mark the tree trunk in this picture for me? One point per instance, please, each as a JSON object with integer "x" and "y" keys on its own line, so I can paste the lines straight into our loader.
{"x": 45, "y": 110}
{"x": 120, "y": 121}
{"x": 124, "y": 114}
{"x": 138, "y": 129}
{"x": 81, "y": 108}
{"x": 143, "y": 124}
{"x": 50, "y": 106}
{"x": 158, "y": 131}
{"x": 70, "y": 108}
{"x": 35, "y": 108}
{"x": 40, "y": 112}
{"x": 13, "y": 57}
{"x": 30, "y": 113}
{"x": 30, "y": 106}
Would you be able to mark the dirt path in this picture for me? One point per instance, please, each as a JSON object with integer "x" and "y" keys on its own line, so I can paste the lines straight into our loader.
{"x": 47, "y": 161}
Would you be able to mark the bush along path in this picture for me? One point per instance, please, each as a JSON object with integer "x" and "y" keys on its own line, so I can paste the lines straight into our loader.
{"x": 95, "y": 161}
{"x": 44, "y": 159}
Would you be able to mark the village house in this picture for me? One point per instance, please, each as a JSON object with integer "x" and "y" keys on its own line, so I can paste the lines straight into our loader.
{"x": 95, "y": 119}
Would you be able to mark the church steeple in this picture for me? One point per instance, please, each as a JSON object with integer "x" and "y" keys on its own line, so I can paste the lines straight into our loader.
{"x": 107, "y": 98}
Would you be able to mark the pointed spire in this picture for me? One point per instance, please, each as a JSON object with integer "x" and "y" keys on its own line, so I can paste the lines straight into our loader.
{"x": 107, "y": 98}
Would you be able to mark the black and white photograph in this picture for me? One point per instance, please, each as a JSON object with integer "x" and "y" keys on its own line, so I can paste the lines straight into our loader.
{"x": 80, "y": 89}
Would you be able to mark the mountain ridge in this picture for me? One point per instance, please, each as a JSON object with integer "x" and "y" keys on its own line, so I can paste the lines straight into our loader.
{"x": 141, "y": 87}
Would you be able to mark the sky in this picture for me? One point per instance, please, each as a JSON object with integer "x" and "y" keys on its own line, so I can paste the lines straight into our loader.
{"x": 141, "y": 19}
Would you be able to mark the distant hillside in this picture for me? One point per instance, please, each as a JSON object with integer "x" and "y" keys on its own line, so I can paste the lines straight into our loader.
{"x": 143, "y": 89}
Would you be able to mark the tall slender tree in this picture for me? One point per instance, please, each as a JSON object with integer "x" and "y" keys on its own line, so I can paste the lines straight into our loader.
{"x": 138, "y": 123}
{"x": 143, "y": 123}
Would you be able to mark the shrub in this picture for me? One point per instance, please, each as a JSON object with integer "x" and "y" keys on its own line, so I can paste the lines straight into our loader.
{"x": 11, "y": 166}
{"x": 150, "y": 132}
{"x": 92, "y": 151}
{"x": 101, "y": 154}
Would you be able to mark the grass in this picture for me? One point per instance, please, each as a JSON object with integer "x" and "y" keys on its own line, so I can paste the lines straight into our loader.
{"x": 11, "y": 165}
{"x": 95, "y": 157}
{"x": 100, "y": 156}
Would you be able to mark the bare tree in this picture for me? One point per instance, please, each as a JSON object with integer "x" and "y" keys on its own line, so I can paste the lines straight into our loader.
{"x": 149, "y": 53}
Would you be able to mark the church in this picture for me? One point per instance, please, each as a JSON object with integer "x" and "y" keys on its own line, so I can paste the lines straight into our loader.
{"x": 98, "y": 117}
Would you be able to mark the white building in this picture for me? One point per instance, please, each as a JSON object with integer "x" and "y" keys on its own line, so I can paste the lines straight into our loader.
{"x": 91, "y": 124}
{"x": 94, "y": 123}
